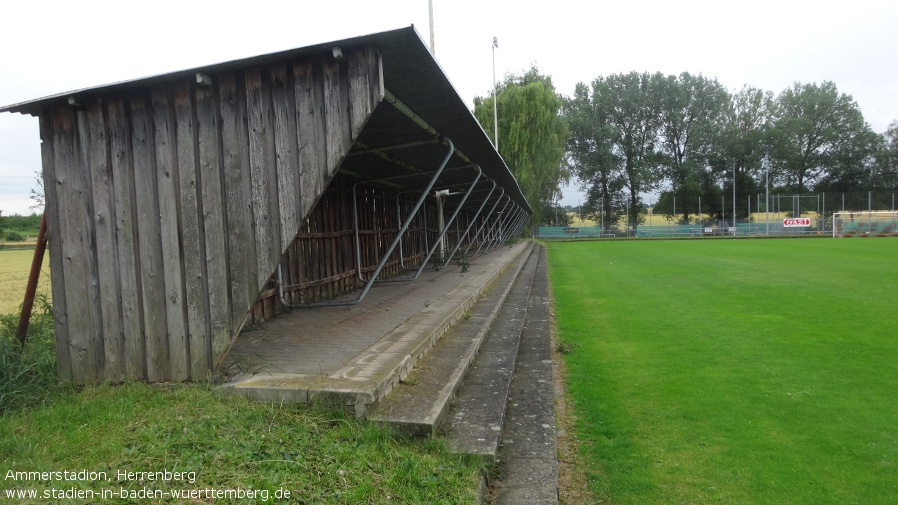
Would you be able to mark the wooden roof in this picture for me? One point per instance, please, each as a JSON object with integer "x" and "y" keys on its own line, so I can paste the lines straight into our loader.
{"x": 411, "y": 75}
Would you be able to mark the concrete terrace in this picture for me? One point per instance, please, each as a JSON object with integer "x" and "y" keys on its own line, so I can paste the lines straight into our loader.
{"x": 355, "y": 356}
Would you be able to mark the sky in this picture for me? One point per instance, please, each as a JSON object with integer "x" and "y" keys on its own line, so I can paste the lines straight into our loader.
{"x": 55, "y": 46}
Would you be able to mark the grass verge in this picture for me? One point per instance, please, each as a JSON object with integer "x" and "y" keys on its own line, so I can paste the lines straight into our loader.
{"x": 318, "y": 455}
{"x": 224, "y": 449}
{"x": 733, "y": 371}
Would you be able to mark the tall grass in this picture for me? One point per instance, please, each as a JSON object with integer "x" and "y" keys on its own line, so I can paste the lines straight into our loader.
{"x": 750, "y": 371}
{"x": 28, "y": 374}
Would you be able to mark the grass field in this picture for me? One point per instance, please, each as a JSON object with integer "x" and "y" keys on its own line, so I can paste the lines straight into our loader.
{"x": 750, "y": 371}
{"x": 14, "y": 268}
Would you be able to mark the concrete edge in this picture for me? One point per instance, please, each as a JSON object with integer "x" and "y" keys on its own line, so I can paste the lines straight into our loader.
{"x": 429, "y": 425}
{"x": 278, "y": 387}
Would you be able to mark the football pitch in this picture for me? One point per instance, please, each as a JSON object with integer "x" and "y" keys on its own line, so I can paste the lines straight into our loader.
{"x": 733, "y": 371}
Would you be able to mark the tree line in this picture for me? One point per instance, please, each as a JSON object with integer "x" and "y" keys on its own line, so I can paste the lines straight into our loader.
{"x": 684, "y": 137}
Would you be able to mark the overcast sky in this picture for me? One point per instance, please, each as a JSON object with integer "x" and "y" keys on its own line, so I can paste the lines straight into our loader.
{"x": 53, "y": 46}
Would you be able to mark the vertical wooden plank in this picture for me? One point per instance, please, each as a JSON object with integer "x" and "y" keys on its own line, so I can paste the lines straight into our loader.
{"x": 124, "y": 197}
{"x": 149, "y": 233}
{"x": 286, "y": 150}
{"x": 375, "y": 76}
{"x": 328, "y": 242}
{"x": 315, "y": 246}
{"x": 263, "y": 175}
{"x": 213, "y": 223}
{"x": 348, "y": 248}
{"x": 336, "y": 117}
{"x": 309, "y": 93}
{"x": 73, "y": 235}
{"x": 191, "y": 234}
{"x": 54, "y": 215}
{"x": 166, "y": 155}
{"x": 103, "y": 195}
{"x": 89, "y": 254}
{"x": 238, "y": 198}
{"x": 360, "y": 105}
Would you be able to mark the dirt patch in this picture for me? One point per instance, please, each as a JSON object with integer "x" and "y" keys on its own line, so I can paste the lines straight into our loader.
{"x": 573, "y": 487}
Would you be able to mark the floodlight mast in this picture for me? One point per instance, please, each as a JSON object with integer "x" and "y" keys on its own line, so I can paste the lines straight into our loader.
{"x": 495, "y": 98}
{"x": 767, "y": 188}
{"x": 734, "y": 197}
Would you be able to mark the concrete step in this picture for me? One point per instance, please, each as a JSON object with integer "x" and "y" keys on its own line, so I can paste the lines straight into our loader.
{"x": 475, "y": 420}
{"x": 528, "y": 470}
{"x": 418, "y": 404}
{"x": 356, "y": 356}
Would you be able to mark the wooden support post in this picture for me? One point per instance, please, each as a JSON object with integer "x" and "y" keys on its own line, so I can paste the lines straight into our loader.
{"x": 31, "y": 290}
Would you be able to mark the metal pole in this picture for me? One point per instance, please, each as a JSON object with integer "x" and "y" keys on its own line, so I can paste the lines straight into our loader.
{"x": 628, "y": 219}
{"x": 439, "y": 242}
{"x": 433, "y": 50}
{"x": 505, "y": 227}
{"x": 484, "y": 223}
{"x": 734, "y": 197}
{"x": 492, "y": 227}
{"x": 505, "y": 224}
{"x": 470, "y": 223}
{"x": 495, "y": 98}
{"x": 767, "y": 188}
{"x": 383, "y": 260}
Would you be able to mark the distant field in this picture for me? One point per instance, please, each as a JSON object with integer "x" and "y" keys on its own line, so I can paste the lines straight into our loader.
{"x": 14, "y": 268}
{"x": 750, "y": 371}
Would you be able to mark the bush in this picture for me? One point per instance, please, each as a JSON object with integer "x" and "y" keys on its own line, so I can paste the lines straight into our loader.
{"x": 15, "y": 236}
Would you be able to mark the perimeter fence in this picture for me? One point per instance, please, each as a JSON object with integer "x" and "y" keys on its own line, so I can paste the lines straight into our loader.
{"x": 775, "y": 215}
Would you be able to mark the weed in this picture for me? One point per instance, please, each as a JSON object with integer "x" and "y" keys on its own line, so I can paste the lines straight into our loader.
{"x": 566, "y": 347}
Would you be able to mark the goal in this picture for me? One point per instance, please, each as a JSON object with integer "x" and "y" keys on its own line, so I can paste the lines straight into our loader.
{"x": 865, "y": 224}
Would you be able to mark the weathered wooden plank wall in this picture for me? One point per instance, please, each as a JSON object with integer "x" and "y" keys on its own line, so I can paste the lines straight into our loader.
{"x": 170, "y": 205}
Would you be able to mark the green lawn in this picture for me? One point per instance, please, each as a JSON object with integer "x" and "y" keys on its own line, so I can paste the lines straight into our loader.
{"x": 721, "y": 371}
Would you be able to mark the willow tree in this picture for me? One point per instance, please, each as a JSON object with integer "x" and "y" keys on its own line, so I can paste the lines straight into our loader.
{"x": 532, "y": 135}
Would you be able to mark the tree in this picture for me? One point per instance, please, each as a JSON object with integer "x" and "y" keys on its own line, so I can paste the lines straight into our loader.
{"x": 615, "y": 129}
{"x": 591, "y": 155}
{"x": 632, "y": 105}
{"x": 818, "y": 135}
{"x": 532, "y": 135}
{"x": 885, "y": 170}
{"x": 692, "y": 110}
{"x": 745, "y": 136}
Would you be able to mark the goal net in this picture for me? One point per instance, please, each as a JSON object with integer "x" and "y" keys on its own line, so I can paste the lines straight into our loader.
{"x": 865, "y": 224}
